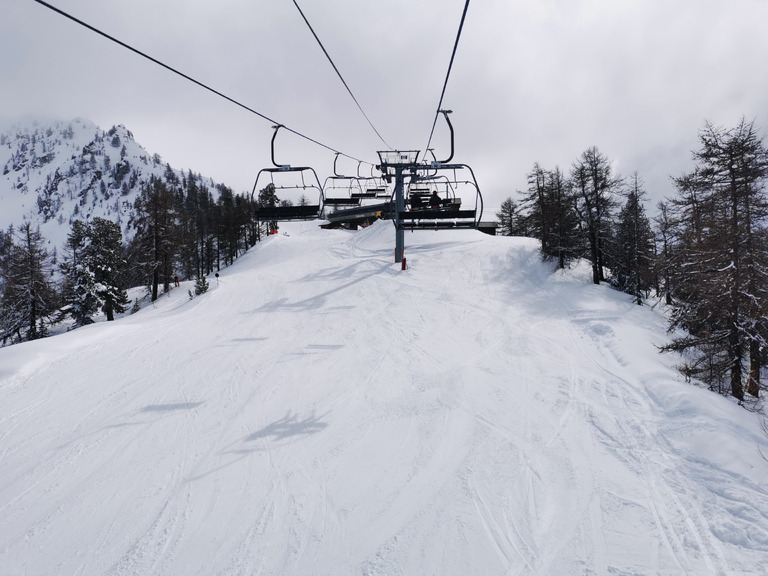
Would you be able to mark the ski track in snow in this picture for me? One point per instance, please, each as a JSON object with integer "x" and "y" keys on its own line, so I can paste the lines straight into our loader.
{"x": 320, "y": 411}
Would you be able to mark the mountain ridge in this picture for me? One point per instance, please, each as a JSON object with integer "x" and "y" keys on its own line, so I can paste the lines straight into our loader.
{"x": 55, "y": 171}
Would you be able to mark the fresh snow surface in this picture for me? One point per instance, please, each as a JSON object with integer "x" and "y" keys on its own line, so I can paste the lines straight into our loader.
{"x": 321, "y": 411}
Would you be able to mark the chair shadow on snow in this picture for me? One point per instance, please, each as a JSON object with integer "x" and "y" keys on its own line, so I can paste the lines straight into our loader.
{"x": 289, "y": 426}
{"x": 318, "y": 300}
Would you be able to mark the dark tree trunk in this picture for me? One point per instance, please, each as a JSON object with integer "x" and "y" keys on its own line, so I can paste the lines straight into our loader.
{"x": 735, "y": 355}
{"x": 753, "y": 384}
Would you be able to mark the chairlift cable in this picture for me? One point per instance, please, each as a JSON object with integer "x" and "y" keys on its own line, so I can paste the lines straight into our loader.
{"x": 445, "y": 84}
{"x": 189, "y": 78}
{"x": 339, "y": 74}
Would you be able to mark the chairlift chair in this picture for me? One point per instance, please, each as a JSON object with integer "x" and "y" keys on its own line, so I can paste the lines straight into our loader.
{"x": 378, "y": 187}
{"x": 371, "y": 200}
{"x": 461, "y": 201}
{"x": 341, "y": 191}
{"x": 461, "y": 204}
{"x": 373, "y": 186}
{"x": 304, "y": 178}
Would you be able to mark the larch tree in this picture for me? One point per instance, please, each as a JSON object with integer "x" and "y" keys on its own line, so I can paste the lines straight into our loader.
{"x": 507, "y": 218}
{"x": 550, "y": 214}
{"x": 664, "y": 239}
{"x": 563, "y": 244}
{"x": 29, "y": 295}
{"x": 594, "y": 188}
{"x": 722, "y": 271}
{"x": 155, "y": 243}
{"x": 633, "y": 258}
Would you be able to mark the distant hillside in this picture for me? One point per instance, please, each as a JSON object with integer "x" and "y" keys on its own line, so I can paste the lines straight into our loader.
{"x": 54, "y": 172}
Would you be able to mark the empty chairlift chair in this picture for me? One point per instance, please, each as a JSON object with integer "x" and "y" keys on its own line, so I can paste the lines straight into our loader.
{"x": 341, "y": 191}
{"x": 371, "y": 200}
{"x": 288, "y": 193}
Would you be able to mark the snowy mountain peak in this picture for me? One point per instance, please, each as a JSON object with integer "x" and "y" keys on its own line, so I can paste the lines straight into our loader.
{"x": 54, "y": 172}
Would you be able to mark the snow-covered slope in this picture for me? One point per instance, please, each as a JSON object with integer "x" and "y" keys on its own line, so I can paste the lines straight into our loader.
{"x": 320, "y": 411}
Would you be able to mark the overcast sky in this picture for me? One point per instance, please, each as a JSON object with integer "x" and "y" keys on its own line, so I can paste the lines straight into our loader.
{"x": 533, "y": 80}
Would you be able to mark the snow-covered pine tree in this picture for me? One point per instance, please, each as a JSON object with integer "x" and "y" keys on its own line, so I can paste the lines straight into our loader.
{"x": 106, "y": 259}
{"x": 201, "y": 285}
{"x": 78, "y": 283}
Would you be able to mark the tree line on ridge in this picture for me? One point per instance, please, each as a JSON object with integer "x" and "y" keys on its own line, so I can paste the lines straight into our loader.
{"x": 704, "y": 253}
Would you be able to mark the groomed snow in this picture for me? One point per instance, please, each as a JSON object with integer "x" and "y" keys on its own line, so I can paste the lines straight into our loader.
{"x": 320, "y": 411}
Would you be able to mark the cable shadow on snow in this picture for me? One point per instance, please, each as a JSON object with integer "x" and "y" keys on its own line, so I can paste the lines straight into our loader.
{"x": 322, "y": 347}
{"x": 170, "y": 407}
{"x": 239, "y": 341}
{"x": 434, "y": 246}
{"x": 318, "y": 300}
{"x": 138, "y": 417}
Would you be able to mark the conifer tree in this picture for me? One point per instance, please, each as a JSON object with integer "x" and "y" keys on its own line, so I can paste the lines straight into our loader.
{"x": 507, "y": 218}
{"x": 665, "y": 239}
{"x": 155, "y": 244}
{"x": 268, "y": 199}
{"x": 537, "y": 217}
{"x": 550, "y": 215}
{"x": 79, "y": 284}
{"x": 594, "y": 187}
{"x": 106, "y": 260}
{"x": 563, "y": 244}
{"x": 722, "y": 271}
{"x": 201, "y": 285}
{"x": 95, "y": 270}
{"x": 634, "y": 247}
{"x": 29, "y": 296}
{"x": 227, "y": 229}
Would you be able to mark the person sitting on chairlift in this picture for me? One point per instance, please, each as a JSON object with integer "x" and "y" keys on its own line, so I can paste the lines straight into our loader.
{"x": 416, "y": 202}
{"x": 435, "y": 201}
